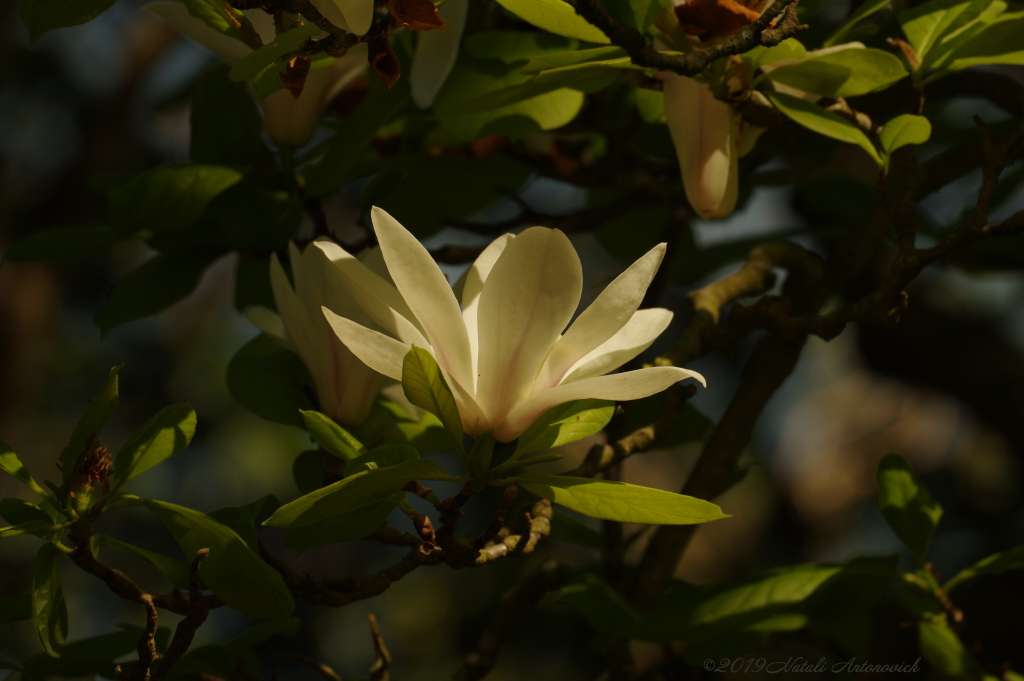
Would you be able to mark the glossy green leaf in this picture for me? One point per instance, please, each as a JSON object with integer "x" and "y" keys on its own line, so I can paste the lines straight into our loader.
{"x": 556, "y": 60}
{"x": 790, "y": 48}
{"x": 998, "y": 43}
{"x": 846, "y": 73}
{"x": 225, "y": 125}
{"x": 604, "y": 608}
{"x": 40, "y": 16}
{"x": 906, "y": 505}
{"x": 929, "y": 23}
{"x": 996, "y": 564}
{"x": 49, "y": 610}
{"x": 163, "y": 436}
{"x": 388, "y": 455}
{"x": 354, "y": 492}
{"x": 425, "y": 387}
{"x": 823, "y": 122}
{"x": 60, "y": 243}
{"x": 620, "y": 501}
{"x": 168, "y": 198}
{"x": 242, "y": 519}
{"x": 332, "y": 437}
{"x": 233, "y": 571}
{"x": 563, "y": 424}
{"x": 174, "y": 570}
{"x": 904, "y": 130}
{"x": 388, "y": 424}
{"x": 11, "y": 464}
{"x": 346, "y": 527}
{"x": 18, "y": 511}
{"x": 159, "y": 283}
{"x": 944, "y": 650}
{"x": 865, "y": 10}
{"x": 284, "y": 43}
{"x": 555, "y": 17}
{"x": 92, "y": 422}
{"x": 268, "y": 380}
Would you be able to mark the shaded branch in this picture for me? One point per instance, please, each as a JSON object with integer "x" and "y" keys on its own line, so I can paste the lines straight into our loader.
{"x": 199, "y": 609}
{"x": 381, "y": 669}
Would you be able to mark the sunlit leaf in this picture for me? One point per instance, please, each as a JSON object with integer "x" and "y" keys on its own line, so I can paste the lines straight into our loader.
{"x": 565, "y": 423}
{"x": 846, "y": 73}
{"x": 906, "y": 505}
{"x": 823, "y": 122}
{"x": 555, "y": 17}
{"x": 163, "y": 436}
{"x": 332, "y": 437}
{"x": 904, "y": 130}
{"x": 425, "y": 387}
{"x": 284, "y": 43}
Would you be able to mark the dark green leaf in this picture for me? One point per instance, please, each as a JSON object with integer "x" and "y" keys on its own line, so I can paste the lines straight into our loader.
{"x": 568, "y": 529}
{"x": 11, "y": 464}
{"x": 620, "y": 501}
{"x": 555, "y": 17}
{"x": 242, "y": 519}
{"x": 41, "y": 16}
{"x": 944, "y": 650}
{"x": 996, "y": 564}
{"x": 332, "y": 437}
{"x": 60, "y": 243}
{"x": 92, "y": 422}
{"x": 545, "y": 62}
{"x": 388, "y": 455}
{"x": 388, "y": 423}
{"x": 308, "y": 470}
{"x": 255, "y": 216}
{"x": 350, "y": 526}
{"x": 18, "y": 511}
{"x": 156, "y": 285}
{"x": 906, "y": 505}
{"x": 425, "y": 387}
{"x": 480, "y": 455}
{"x": 168, "y": 198}
{"x": 233, "y": 571}
{"x": 846, "y": 73}
{"x": 268, "y": 380}
{"x": 866, "y": 9}
{"x": 163, "y": 436}
{"x": 603, "y": 607}
{"x": 354, "y": 492}
{"x": 284, "y": 43}
{"x": 565, "y": 423}
{"x": 226, "y": 128}
{"x": 214, "y": 15}
{"x": 823, "y": 122}
{"x": 49, "y": 611}
{"x": 174, "y": 570}
{"x": 252, "y": 283}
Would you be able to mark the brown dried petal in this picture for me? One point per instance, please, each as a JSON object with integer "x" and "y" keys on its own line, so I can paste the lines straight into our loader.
{"x": 711, "y": 19}
{"x": 294, "y": 76}
{"x": 384, "y": 61}
{"x": 416, "y": 15}
{"x": 908, "y": 52}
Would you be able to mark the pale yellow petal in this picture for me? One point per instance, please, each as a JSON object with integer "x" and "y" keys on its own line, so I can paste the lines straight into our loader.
{"x": 640, "y": 331}
{"x": 474, "y": 284}
{"x": 270, "y": 323}
{"x": 631, "y": 385}
{"x": 602, "y": 319}
{"x": 426, "y": 290}
{"x": 527, "y": 300}
{"x": 381, "y": 353}
{"x": 436, "y": 52}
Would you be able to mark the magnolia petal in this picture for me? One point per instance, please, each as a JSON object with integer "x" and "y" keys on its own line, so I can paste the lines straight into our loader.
{"x": 270, "y": 323}
{"x": 374, "y": 259}
{"x": 640, "y": 331}
{"x": 705, "y": 132}
{"x": 372, "y": 294}
{"x": 426, "y": 290}
{"x": 527, "y": 300}
{"x": 176, "y": 15}
{"x": 609, "y": 312}
{"x": 289, "y": 306}
{"x": 381, "y": 353}
{"x": 436, "y": 52}
{"x": 291, "y": 122}
{"x": 474, "y": 421}
{"x": 631, "y": 385}
{"x": 475, "y": 277}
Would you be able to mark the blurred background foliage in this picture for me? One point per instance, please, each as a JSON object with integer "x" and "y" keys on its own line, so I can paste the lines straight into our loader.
{"x": 945, "y": 388}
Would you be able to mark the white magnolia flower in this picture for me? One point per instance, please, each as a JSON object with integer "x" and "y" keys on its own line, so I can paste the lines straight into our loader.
{"x": 503, "y": 353}
{"x": 290, "y": 122}
{"x": 345, "y": 387}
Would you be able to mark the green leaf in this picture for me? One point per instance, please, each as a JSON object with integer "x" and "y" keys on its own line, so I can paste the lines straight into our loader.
{"x": 817, "y": 119}
{"x": 790, "y": 48}
{"x": 555, "y": 17}
{"x": 944, "y": 650}
{"x": 687, "y": 612}
{"x": 620, "y": 501}
{"x": 637, "y": 14}
{"x": 346, "y": 527}
{"x": 603, "y": 607}
{"x": 389, "y": 424}
{"x": 49, "y": 611}
{"x": 233, "y": 571}
{"x": 226, "y": 127}
{"x": 866, "y": 9}
{"x": 11, "y": 464}
{"x": 555, "y": 60}
{"x": 927, "y": 25}
{"x": 268, "y": 380}
{"x": 214, "y": 14}
{"x": 175, "y": 571}
{"x": 846, "y": 73}
{"x": 38, "y": 528}
{"x": 906, "y": 505}
{"x": 563, "y": 424}
{"x": 167, "y": 198}
{"x": 92, "y": 422}
{"x": 996, "y": 564}
{"x": 332, "y": 437}
{"x": 480, "y": 455}
{"x": 242, "y": 519}
{"x": 159, "y": 283}
{"x": 996, "y": 44}
{"x": 388, "y": 455}
{"x": 308, "y": 470}
{"x": 425, "y": 387}
{"x": 354, "y": 492}
{"x": 163, "y": 436}
{"x": 18, "y": 512}
{"x": 904, "y": 130}
{"x": 40, "y": 16}
{"x": 284, "y": 43}
{"x": 60, "y": 243}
